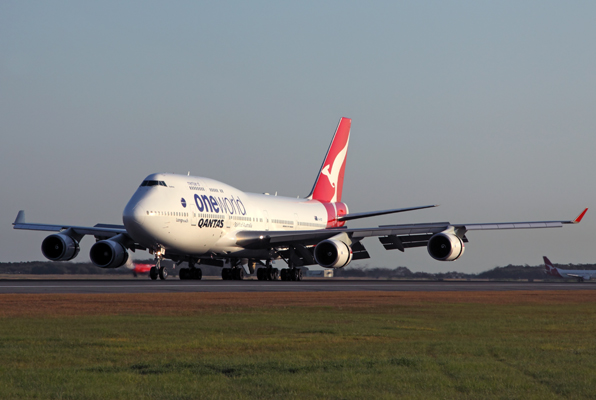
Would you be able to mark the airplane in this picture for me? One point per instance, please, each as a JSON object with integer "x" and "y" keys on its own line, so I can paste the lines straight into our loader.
{"x": 202, "y": 221}
{"x": 579, "y": 274}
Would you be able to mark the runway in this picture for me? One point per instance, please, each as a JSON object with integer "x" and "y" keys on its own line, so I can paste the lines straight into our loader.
{"x": 318, "y": 285}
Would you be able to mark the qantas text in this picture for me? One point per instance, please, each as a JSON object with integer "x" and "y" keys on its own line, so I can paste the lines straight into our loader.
{"x": 210, "y": 223}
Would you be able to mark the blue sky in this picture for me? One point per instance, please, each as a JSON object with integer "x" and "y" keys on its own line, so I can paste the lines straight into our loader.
{"x": 486, "y": 108}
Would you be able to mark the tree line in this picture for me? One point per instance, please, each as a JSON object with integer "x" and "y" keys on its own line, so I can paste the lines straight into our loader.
{"x": 506, "y": 272}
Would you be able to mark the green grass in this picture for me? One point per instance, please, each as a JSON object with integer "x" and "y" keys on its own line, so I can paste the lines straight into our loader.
{"x": 462, "y": 351}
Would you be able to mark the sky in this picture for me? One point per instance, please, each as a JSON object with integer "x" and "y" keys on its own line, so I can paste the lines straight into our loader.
{"x": 486, "y": 108}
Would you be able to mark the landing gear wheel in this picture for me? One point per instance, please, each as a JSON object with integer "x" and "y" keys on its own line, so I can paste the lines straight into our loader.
{"x": 226, "y": 274}
{"x": 197, "y": 274}
{"x": 272, "y": 274}
{"x": 238, "y": 274}
{"x": 184, "y": 274}
{"x": 153, "y": 273}
{"x": 284, "y": 274}
{"x": 260, "y": 274}
{"x": 163, "y": 273}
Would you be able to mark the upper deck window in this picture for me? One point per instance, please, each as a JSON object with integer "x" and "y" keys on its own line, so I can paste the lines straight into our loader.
{"x": 154, "y": 183}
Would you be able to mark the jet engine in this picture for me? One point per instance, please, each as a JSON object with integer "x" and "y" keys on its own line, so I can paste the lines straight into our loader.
{"x": 60, "y": 247}
{"x": 445, "y": 247}
{"x": 108, "y": 254}
{"x": 333, "y": 254}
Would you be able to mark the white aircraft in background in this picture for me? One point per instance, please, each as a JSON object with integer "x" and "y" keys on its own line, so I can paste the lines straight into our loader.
{"x": 202, "y": 221}
{"x": 579, "y": 274}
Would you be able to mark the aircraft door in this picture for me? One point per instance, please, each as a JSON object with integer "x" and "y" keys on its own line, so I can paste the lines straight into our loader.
{"x": 266, "y": 220}
{"x": 193, "y": 215}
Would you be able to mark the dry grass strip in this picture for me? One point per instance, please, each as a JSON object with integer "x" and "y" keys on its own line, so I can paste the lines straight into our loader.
{"x": 14, "y": 305}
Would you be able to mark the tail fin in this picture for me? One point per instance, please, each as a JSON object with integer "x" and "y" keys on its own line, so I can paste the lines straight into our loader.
{"x": 330, "y": 181}
{"x": 550, "y": 268}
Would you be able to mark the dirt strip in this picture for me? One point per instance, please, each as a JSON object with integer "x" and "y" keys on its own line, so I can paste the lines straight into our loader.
{"x": 13, "y": 305}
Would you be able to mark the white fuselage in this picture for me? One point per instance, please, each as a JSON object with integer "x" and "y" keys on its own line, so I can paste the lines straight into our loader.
{"x": 575, "y": 273}
{"x": 198, "y": 216}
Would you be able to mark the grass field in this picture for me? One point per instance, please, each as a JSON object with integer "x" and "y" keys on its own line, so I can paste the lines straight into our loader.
{"x": 354, "y": 345}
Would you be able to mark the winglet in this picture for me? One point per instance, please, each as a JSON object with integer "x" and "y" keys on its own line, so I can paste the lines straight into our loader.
{"x": 20, "y": 218}
{"x": 579, "y": 217}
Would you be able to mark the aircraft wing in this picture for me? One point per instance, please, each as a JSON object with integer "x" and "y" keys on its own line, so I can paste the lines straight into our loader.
{"x": 391, "y": 236}
{"x": 369, "y": 214}
{"x": 99, "y": 230}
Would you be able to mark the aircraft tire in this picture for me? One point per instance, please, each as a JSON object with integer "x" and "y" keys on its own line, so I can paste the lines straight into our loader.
{"x": 226, "y": 274}
{"x": 163, "y": 273}
{"x": 272, "y": 274}
{"x": 153, "y": 273}
{"x": 197, "y": 274}
{"x": 184, "y": 274}
{"x": 284, "y": 274}
{"x": 260, "y": 274}
{"x": 238, "y": 274}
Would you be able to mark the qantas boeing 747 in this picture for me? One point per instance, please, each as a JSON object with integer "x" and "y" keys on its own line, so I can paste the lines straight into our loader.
{"x": 201, "y": 221}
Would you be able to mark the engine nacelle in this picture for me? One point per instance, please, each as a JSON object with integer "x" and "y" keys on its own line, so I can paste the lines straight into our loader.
{"x": 445, "y": 247}
{"x": 108, "y": 254}
{"x": 60, "y": 247}
{"x": 333, "y": 254}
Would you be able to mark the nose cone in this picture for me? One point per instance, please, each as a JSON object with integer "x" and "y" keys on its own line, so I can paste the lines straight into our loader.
{"x": 134, "y": 216}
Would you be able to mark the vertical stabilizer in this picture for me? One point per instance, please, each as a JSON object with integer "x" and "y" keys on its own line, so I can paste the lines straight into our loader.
{"x": 550, "y": 268}
{"x": 330, "y": 181}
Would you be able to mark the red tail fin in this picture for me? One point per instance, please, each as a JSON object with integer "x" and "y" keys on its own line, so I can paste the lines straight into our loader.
{"x": 550, "y": 268}
{"x": 330, "y": 181}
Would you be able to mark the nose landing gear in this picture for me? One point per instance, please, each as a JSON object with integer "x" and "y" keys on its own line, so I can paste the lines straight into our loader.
{"x": 159, "y": 270}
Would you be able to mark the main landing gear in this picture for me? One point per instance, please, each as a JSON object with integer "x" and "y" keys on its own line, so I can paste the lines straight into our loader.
{"x": 291, "y": 274}
{"x": 268, "y": 273}
{"x": 191, "y": 272}
{"x": 235, "y": 273}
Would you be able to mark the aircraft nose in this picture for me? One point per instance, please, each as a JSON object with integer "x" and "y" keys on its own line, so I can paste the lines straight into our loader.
{"x": 134, "y": 213}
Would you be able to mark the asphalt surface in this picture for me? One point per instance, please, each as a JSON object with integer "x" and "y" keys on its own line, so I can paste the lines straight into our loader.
{"x": 314, "y": 285}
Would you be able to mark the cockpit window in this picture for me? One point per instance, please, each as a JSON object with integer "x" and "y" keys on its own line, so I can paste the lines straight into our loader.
{"x": 154, "y": 183}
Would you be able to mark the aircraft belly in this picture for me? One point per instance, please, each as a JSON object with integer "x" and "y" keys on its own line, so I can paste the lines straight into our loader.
{"x": 190, "y": 240}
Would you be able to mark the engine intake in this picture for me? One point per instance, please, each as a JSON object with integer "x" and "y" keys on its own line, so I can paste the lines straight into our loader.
{"x": 108, "y": 254}
{"x": 60, "y": 247}
{"x": 333, "y": 254}
{"x": 445, "y": 247}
